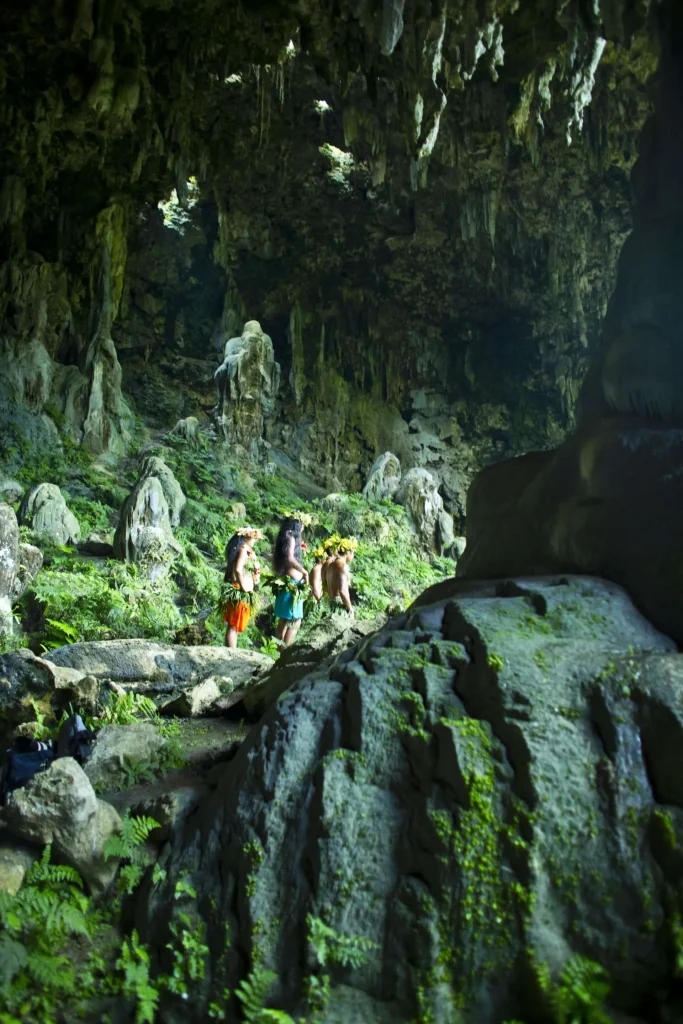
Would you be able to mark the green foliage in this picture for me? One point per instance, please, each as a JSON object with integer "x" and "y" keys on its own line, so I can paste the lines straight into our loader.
{"x": 81, "y": 600}
{"x": 189, "y": 955}
{"x": 48, "y": 911}
{"x": 330, "y": 947}
{"x": 252, "y": 994}
{"x": 134, "y": 964}
{"x": 128, "y": 845}
{"x": 126, "y": 709}
{"x": 93, "y": 516}
{"x": 495, "y": 662}
{"x": 579, "y": 995}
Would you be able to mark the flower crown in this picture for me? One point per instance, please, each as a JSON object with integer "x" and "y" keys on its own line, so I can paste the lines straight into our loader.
{"x": 347, "y": 544}
{"x": 332, "y": 543}
{"x": 249, "y": 531}
{"x": 305, "y": 518}
{"x": 319, "y": 552}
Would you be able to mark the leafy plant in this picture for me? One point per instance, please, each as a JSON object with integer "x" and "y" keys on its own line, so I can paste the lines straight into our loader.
{"x": 578, "y": 997}
{"x": 252, "y": 994}
{"x": 134, "y": 963}
{"x": 128, "y": 844}
{"x": 189, "y": 955}
{"x": 330, "y": 947}
{"x": 127, "y": 708}
{"x": 37, "y": 923}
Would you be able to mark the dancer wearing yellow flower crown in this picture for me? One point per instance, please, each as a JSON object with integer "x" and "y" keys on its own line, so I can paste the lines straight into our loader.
{"x": 338, "y": 575}
{"x": 241, "y": 578}
{"x": 331, "y": 546}
{"x": 316, "y": 575}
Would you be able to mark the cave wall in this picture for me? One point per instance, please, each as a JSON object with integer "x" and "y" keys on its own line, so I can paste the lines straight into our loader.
{"x": 430, "y": 241}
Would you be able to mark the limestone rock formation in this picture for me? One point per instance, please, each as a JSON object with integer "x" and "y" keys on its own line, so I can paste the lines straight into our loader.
{"x": 25, "y": 678}
{"x": 247, "y": 382}
{"x": 144, "y": 665}
{"x": 144, "y": 534}
{"x": 117, "y": 745}
{"x": 16, "y": 860}
{"x": 321, "y": 645}
{"x": 419, "y": 493}
{"x": 187, "y": 428}
{"x": 152, "y": 466}
{"x": 11, "y": 491}
{"x": 59, "y": 806}
{"x": 579, "y": 509}
{"x": 196, "y": 700}
{"x": 451, "y": 791}
{"x": 45, "y": 511}
{"x": 19, "y": 564}
{"x": 384, "y": 478}
{"x": 607, "y": 501}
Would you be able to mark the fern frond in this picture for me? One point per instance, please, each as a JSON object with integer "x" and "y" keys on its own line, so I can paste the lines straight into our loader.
{"x": 253, "y": 992}
{"x": 50, "y": 971}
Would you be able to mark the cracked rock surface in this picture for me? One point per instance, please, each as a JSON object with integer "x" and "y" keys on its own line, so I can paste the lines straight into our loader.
{"x": 492, "y": 777}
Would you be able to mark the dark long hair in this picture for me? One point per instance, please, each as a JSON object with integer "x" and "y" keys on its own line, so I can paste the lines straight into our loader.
{"x": 289, "y": 528}
{"x": 232, "y": 550}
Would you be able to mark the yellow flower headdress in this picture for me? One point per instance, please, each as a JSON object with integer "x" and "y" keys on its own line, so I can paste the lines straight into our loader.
{"x": 332, "y": 543}
{"x": 347, "y": 544}
{"x": 249, "y": 531}
{"x": 305, "y": 518}
{"x": 319, "y": 552}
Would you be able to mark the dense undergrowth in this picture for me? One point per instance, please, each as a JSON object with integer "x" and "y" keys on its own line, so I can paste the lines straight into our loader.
{"x": 78, "y": 597}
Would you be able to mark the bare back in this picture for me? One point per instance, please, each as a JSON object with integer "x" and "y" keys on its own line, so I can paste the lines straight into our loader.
{"x": 337, "y": 578}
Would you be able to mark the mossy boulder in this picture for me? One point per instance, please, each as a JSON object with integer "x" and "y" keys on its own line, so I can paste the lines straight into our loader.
{"x": 462, "y": 796}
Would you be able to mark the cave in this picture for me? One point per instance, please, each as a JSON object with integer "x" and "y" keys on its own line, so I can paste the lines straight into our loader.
{"x": 341, "y": 464}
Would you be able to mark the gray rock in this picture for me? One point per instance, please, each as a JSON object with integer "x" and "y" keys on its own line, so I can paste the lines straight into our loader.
{"x": 445, "y": 534}
{"x": 45, "y": 511}
{"x": 455, "y": 782}
{"x": 96, "y": 545}
{"x": 187, "y": 428}
{"x": 247, "y": 382}
{"x": 458, "y": 547}
{"x": 197, "y": 700}
{"x": 25, "y": 678}
{"x": 19, "y": 564}
{"x": 384, "y": 478}
{"x": 144, "y": 534}
{"x": 420, "y": 496}
{"x": 173, "y": 492}
{"x": 170, "y": 808}
{"x": 59, "y": 806}
{"x": 11, "y": 491}
{"x": 143, "y": 665}
{"x": 321, "y": 645}
{"x": 117, "y": 745}
{"x": 16, "y": 860}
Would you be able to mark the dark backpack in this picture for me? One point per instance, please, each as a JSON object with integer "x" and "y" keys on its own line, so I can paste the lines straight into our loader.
{"x": 74, "y": 739}
{"x": 22, "y": 762}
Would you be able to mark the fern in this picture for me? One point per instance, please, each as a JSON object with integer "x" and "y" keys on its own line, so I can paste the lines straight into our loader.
{"x": 332, "y": 948}
{"x": 128, "y": 845}
{"x": 136, "y": 984}
{"x": 252, "y": 994}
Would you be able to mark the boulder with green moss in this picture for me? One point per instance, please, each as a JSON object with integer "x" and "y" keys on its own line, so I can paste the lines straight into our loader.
{"x": 489, "y": 784}
{"x": 46, "y": 512}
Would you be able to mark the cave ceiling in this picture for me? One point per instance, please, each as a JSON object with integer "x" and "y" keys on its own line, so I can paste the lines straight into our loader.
{"x": 420, "y": 193}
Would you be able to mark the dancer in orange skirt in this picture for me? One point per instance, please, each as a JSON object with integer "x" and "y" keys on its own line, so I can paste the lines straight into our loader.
{"x": 243, "y": 572}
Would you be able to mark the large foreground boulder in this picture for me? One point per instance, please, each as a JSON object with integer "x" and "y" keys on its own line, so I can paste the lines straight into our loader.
{"x": 46, "y": 512}
{"x": 160, "y": 667}
{"x": 492, "y": 781}
{"x": 608, "y": 502}
{"x": 59, "y": 806}
{"x": 19, "y": 565}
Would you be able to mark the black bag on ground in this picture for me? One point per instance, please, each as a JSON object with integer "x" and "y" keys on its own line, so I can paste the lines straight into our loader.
{"x": 22, "y": 762}
{"x": 74, "y": 739}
